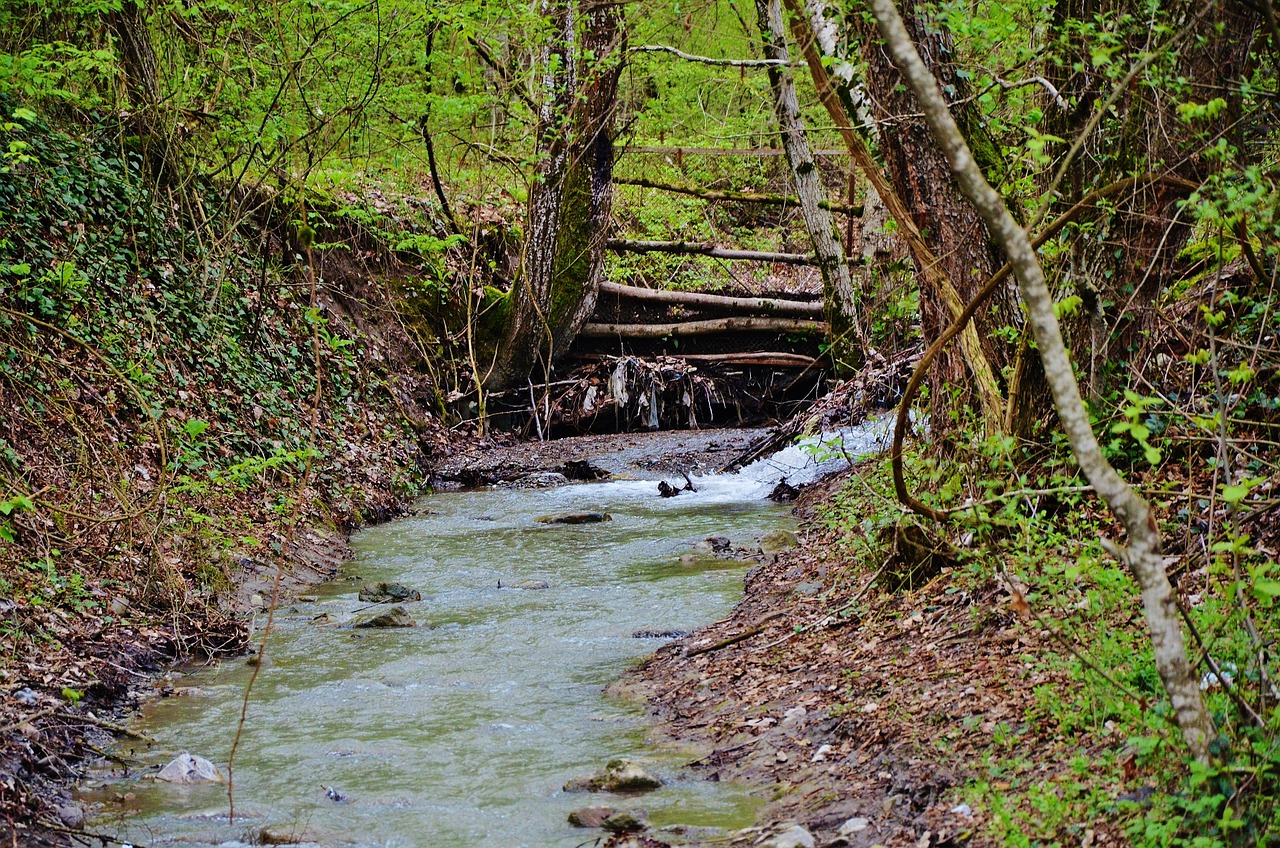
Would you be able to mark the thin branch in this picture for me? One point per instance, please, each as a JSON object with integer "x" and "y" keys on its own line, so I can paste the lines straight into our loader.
{"x": 707, "y": 60}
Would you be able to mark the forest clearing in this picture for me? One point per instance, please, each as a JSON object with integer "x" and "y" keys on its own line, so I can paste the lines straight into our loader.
{"x": 587, "y": 423}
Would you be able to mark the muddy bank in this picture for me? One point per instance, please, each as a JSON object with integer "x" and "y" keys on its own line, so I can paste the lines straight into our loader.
{"x": 858, "y": 712}
{"x": 501, "y": 458}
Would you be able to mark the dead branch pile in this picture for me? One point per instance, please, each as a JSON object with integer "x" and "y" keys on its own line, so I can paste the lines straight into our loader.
{"x": 637, "y": 393}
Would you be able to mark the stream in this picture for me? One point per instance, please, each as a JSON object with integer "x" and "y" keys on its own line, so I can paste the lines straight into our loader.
{"x": 462, "y": 731}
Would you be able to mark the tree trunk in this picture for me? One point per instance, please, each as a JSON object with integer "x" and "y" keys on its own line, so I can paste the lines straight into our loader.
{"x": 932, "y": 276}
{"x": 849, "y": 346}
{"x": 1143, "y": 554}
{"x": 694, "y": 248}
{"x": 139, "y": 70}
{"x": 571, "y": 200}
{"x": 770, "y": 305}
{"x": 137, "y": 55}
{"x": 711, "y": 326}
{"x": 922, "y": 179}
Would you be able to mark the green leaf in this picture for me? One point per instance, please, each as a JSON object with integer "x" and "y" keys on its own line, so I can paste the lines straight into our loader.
{"x": 1234, "y": 494}
{"x": 1266, "y": 588}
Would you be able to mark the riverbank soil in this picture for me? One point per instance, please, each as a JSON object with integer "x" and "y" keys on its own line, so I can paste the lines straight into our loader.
{"x": 861, "y": 713}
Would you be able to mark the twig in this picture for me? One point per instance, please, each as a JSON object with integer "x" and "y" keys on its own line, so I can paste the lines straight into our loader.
{"x": 733, "y": 640}
{"x": 28, "y": 719}
{"x": 112, "y": 726}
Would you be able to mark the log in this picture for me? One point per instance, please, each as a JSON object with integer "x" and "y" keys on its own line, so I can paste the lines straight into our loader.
{"x": 769, "y": 305}
{"x": 765, "y": 359}
{"x": 719, "y": 151}
{"x": 768, "y": 359}
{"x": 690, "y": 247}
{"x": 705, "y": 328}
{"x": 740, "y": 196}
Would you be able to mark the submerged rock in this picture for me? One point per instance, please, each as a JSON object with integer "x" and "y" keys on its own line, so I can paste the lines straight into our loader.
{"x": 388, "y": 593}
{"x": 590, "y": 816}
{"x": 288, "y": 834}
{"x": 772, "y": 544}
{"x": 575, "y": 518}
{"x": 394, "y": 617}
{"x": 526, "y": 584}
{"x": 619, "y": 775}
{"x": 189, "y": 769}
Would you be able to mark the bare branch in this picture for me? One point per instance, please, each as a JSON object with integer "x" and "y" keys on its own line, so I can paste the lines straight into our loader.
{"x": 707, "y": 60}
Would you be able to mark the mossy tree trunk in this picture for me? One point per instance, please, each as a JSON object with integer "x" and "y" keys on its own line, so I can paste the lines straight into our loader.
{"x": 572, "y": 196}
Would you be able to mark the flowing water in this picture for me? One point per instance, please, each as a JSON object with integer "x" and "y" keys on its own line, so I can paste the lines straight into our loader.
{"x": 462, "y": 731}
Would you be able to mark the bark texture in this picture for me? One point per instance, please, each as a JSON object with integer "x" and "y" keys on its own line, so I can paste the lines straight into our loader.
{"x": 1143, "y": 555}
{"x": 922, "y": 180}
{"x": 572, "y": 198}
{"x": 137, "y": 55}
{"x": 849, "y": 344}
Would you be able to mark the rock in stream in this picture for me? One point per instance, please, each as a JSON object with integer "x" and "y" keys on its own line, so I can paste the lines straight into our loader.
{"x": 388, "y": 593}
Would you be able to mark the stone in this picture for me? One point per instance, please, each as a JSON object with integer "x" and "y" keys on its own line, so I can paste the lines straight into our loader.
{"x": 625, "y": 821}
{"x": 386, "y": 593}
{"x": 529, "y": 584}
{"x": 788, "y": 835}
{"x": 857, "y": 824}
{"x": 713, "y": 546}
{"x": 590, "y": 816}
{"x": 288, "y": 834}
{"x": 394, "y": 617}
{"x": 189, "y": 769}
{"x": 71, "y": 815}
{"x": 540, "y": 480}
{"x": 575, "y": 518}
{"x": 620, "y": 776}
{"x": 774, "y": 543}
